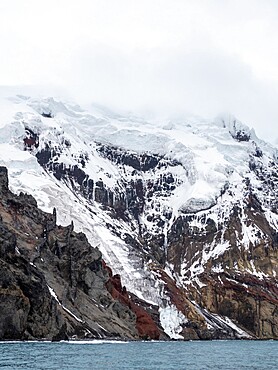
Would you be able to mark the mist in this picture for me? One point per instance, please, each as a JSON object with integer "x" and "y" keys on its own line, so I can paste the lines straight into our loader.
{"x": 160, "y": 58}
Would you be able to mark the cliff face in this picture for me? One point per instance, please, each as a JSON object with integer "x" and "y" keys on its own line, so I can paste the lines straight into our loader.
{"x": 185, "y": 213}
{"x": 238, "y": 280}
{"x": 54, "y": 284}
{"x": 230, "y": 261}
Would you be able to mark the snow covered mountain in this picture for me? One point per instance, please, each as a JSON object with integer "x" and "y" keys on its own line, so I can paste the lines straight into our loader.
{"x": 185, "y": 211}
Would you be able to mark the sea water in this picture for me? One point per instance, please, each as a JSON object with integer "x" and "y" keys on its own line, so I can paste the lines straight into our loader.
{"x": 102, "y": 355}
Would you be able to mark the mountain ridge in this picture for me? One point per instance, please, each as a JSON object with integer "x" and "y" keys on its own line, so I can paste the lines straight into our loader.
{"x": 186, "y": 208}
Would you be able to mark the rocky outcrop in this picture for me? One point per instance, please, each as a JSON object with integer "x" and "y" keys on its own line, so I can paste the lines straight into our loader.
{"x": 248, "y": 301}
{"x": 132, "y": 196}
{"x": 53, "y": 283}
{"x": 27, "y": 309}
{"x": 239, "y": 280}
{"x": 145, "y": 324}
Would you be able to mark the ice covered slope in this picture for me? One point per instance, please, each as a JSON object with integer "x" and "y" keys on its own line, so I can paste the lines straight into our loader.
{"x": 178, "y": 208}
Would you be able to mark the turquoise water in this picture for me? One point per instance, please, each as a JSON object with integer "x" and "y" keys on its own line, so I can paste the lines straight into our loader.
{"x": 195, "y": 355}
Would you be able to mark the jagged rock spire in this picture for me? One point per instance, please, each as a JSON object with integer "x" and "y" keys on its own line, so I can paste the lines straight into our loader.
{"x": 4, "y": 181}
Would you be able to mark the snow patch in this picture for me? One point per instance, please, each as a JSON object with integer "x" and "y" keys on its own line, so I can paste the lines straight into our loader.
{"x": 54, "y": 295}
{"x": 171, "y": 320}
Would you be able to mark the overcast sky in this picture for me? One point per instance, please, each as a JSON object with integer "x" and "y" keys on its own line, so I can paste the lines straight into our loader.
{"x": 165, "y": 57}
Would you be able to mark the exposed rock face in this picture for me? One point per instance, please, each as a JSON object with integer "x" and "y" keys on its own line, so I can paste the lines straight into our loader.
{"x": 123, "y": 200}
{"x": 53, "y": 282}
{"x": 145, "y": 324}
{"x": 240, "y": 282}
{"x": 247, "y": 300}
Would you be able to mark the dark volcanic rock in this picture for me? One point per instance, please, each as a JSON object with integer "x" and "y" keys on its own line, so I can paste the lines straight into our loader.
{"x": 27, "y": 309}
{"x": 53, "y": 283}
{"x": 132, "y": 199}
{"x": 144, "y": 162}
{"x": 4, "y": 179}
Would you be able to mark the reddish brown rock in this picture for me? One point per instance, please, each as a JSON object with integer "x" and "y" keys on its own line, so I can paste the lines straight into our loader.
{"x": 145, "y": 325}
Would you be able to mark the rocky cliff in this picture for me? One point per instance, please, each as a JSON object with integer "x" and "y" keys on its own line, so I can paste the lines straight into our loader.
{"x": 54, "y": 284}
{"x": 184, "y": 212}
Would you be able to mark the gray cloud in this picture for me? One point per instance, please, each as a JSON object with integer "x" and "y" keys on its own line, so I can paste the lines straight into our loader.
{"x": 159, "y": 57}
{"x": 169, "y": 82}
